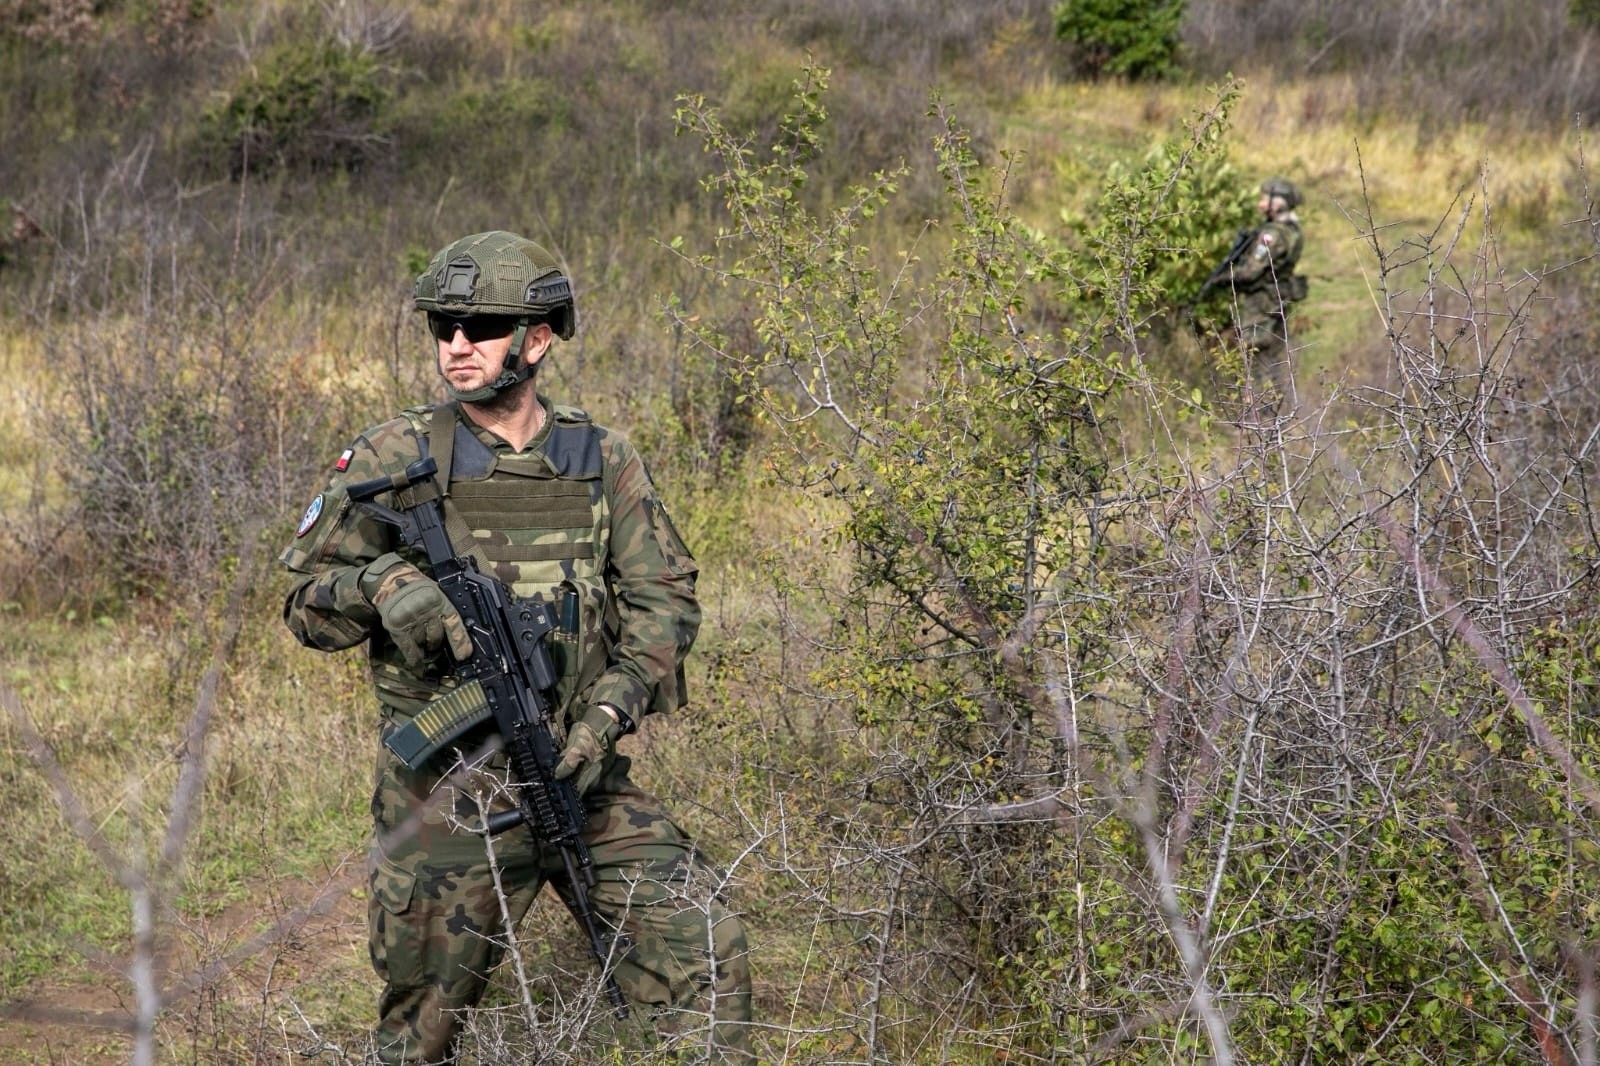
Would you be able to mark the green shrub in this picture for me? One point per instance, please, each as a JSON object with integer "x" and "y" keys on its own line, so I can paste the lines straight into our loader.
{"x": 1135, "y": 38}
{"x": 502, "y": 120}
{"x": 1207, "y": 202}
{"x": 315, "y": 106}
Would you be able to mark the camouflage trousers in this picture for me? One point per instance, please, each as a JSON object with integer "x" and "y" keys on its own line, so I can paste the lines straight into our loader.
{"x": 437, "y": 927}
{"x": 1264, "y": 339}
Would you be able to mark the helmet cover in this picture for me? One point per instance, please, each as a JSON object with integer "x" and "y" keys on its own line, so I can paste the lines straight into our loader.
{"x": 1284, "y": 189}
{"x": 498, "y": 273}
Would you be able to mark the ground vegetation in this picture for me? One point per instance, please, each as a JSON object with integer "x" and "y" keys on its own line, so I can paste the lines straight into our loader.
{"x": 1055, "y": 702}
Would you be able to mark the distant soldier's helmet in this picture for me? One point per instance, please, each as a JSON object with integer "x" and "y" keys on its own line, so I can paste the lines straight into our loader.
{"x": 503, "y": 275}
{"x": 498, "y": 273}
{"x": 1284, "y": 188}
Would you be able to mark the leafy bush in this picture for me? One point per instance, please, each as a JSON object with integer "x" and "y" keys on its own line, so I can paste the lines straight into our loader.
{"x": 305, "y": 106}
{"x": 960, "y": 446}
{"x": 503, "y": 118}
{"x": 1203, "y": 206}
{"x": 1135, "y": 38}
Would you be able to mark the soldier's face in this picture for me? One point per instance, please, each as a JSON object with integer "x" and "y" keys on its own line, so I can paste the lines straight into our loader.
{"x": 472, "y": 364}
{"x": 1272, "y": 206}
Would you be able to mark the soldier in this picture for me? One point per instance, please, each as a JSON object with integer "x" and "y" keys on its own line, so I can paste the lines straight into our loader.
{"x": 1264, "y": 284}
{"x": 558, "y": 508}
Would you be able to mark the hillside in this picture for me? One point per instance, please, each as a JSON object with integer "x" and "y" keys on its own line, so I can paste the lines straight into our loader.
{"x": 1051, "y": 705}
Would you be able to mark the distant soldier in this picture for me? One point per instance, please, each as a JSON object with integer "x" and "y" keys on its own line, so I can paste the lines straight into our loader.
{"x": 1260, "y": 272}
{"x": 561, "y": 510}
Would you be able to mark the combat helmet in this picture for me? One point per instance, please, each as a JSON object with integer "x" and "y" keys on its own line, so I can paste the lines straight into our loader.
{"x": 498, "y": 273}
{"x": 1284, "y": 188}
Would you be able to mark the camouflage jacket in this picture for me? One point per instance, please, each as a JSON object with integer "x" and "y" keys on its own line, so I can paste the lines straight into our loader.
{"x": 573, "y": 513}
{"x": 1263, "y": 277}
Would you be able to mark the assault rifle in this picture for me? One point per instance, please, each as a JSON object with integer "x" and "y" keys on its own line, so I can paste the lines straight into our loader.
{"x": 507, "y": 679}
{"x": 1224, "y": 271}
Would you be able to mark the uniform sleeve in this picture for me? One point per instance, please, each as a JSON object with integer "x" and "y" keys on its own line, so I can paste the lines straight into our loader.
{"x": 652, "y": 577}
{"x": 1269, "y": 257}
{"x": 325, "y": 608}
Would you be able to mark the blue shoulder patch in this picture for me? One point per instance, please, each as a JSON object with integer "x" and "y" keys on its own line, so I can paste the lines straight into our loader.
{"x": 309, "y": 519}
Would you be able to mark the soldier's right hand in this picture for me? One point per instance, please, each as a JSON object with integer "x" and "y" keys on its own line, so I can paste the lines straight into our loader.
{"x": 414, "y": 610}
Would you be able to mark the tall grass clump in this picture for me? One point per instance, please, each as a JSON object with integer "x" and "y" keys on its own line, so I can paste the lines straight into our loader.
{"x": 1480, "y": 60}
{"x": 176, "y": 421}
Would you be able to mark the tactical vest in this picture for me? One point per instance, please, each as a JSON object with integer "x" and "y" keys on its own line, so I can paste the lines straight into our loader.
{"x": 1294, "y": 242}
{"x": 1265, "y": 296}
{"x": 539, "y": 522}
{"x": 1297, "y": 242}
{"x": 538, "y": 519}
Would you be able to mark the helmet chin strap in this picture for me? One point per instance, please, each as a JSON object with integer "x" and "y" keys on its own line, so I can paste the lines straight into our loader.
{"x": 515, "y": 371}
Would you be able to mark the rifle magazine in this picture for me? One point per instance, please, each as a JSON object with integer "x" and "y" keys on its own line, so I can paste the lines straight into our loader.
{"x": 438, "y": 724}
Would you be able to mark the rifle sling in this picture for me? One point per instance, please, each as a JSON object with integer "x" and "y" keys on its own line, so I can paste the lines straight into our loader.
{"x": 459, "y": 710}
{"x": 442, "y": 445}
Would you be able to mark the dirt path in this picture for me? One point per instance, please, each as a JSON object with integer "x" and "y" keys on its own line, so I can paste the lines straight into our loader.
{"x": 248, "y": 984}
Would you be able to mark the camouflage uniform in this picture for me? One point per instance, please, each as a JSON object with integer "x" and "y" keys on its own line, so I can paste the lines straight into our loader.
{"x": 1264, "y": 284}
{"x": 572, "y": 512}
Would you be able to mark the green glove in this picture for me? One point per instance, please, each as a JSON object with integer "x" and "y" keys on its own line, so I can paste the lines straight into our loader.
{"x": 413, "y": 608}
{"x": 588, "y": 742}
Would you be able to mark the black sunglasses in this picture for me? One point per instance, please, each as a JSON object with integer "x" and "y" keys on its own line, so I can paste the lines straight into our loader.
{"x": 478, "y": 328}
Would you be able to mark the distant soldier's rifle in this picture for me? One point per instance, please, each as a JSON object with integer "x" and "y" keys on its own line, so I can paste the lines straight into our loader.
{"x": 508, "y": 679}
{"x": 1224, "y": 271}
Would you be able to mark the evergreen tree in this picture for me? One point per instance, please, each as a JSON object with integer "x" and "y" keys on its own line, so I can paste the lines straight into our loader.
{"x": 1136, "y": 38}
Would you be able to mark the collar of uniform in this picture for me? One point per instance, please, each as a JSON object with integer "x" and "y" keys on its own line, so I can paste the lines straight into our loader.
{"x": 534, "y": 450}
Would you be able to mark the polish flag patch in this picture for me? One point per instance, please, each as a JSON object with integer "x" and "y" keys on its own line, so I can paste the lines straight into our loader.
{"x": 344, "y": 460}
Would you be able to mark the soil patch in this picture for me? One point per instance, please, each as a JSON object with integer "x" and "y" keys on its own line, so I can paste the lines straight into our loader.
{"x": 264, "y": 980}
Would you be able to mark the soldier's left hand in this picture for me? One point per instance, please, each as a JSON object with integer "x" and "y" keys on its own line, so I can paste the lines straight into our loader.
{"x": 588, "y": 742}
